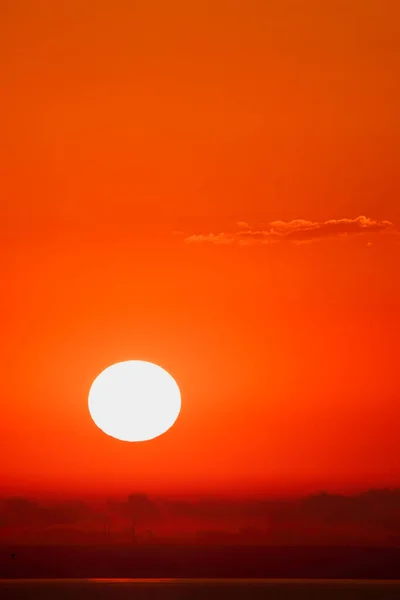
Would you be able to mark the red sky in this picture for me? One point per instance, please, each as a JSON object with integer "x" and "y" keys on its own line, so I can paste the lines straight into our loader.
{"x": 160, "y": 164}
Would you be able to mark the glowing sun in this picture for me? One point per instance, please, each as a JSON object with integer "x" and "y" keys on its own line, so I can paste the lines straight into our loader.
{"x": 134, "y": 401}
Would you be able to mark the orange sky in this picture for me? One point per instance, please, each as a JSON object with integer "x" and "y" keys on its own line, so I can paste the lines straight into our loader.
{"x": 131, "y": 127}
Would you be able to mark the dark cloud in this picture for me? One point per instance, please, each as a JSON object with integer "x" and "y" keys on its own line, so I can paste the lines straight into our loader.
{"x": 295, "y": 231}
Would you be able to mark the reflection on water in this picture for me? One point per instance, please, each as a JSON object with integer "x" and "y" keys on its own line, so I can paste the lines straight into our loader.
{"x": 197, "y": 589}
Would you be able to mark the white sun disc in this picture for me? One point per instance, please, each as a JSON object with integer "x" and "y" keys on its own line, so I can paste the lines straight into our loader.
{"x": 134, "y": 401}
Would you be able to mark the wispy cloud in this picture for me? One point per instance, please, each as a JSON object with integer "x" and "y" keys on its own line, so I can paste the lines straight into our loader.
{"x": 295, "y": 231}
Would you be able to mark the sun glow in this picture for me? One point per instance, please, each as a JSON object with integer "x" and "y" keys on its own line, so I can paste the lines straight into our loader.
{"x": 134, "y": 401}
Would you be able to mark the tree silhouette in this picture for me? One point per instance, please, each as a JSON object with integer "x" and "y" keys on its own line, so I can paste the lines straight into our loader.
{"x": 141, "y": 511}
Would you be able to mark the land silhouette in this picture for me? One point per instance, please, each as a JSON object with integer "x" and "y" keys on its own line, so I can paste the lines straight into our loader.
{"x": 320, "y": 535}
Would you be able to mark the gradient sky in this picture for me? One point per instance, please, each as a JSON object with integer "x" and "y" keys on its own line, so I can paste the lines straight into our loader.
{"x": 214, "y": 187}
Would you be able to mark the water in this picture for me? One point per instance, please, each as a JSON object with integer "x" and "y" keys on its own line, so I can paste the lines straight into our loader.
{"x": 197, "y": 589}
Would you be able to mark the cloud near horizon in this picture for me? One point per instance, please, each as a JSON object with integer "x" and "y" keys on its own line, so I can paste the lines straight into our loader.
{"x": 296, "y": 231}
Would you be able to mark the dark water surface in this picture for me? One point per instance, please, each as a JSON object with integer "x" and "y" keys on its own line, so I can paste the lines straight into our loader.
{"x": 197, "y": 589}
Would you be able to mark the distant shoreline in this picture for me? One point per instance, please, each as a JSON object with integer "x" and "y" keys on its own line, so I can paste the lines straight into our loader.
{"x": 199, "y": 562}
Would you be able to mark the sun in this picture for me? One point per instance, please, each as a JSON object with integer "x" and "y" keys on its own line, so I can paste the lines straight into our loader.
{"x": 134, "y": 401}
